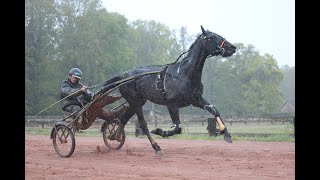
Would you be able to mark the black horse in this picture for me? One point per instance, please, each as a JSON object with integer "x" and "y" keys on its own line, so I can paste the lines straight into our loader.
{"x": 175, "y": 85}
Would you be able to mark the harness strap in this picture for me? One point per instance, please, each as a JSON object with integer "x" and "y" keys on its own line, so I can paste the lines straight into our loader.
{"x": 160, "y": 84}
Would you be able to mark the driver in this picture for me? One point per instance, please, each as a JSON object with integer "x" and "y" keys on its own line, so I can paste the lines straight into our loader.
{"x": 78, "y": 96}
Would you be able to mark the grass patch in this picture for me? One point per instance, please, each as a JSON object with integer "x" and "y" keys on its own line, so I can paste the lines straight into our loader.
{"x": 37, "y": 131}
{"x": 271, "y": 138}
{"x": 276, "y": 132}
{"x": 265, "y": 128}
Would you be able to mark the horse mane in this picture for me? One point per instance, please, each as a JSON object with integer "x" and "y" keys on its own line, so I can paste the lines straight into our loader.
{"x": 186, "y": 51}
{"x": 194, "y": 43}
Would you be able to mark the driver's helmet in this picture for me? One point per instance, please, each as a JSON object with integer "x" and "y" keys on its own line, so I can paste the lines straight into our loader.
{"x": 76, "y": 72}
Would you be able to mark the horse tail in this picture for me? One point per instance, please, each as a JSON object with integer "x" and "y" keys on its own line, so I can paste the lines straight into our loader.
{"x": 121, "y": 79}
{"x": 113, "y": 80}
{"x": 109, "y": 84}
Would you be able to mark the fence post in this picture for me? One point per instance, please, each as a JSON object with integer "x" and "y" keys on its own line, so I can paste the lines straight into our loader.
{"x": 155, "y": 122}
{"x": 212, "y": 126}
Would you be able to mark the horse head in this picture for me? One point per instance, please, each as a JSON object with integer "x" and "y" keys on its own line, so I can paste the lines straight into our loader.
{"x": 216, "y": 45}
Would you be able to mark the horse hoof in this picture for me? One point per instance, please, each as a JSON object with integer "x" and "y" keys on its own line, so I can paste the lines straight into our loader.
{"x": 228, "y": 139}
{"x": 159, "y": 153}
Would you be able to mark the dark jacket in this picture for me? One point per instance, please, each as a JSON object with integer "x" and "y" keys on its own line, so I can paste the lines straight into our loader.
{"x": 79, "y": 98}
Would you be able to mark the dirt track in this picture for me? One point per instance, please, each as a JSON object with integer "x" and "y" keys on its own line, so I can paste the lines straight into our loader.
{"x": 182, "y": 159}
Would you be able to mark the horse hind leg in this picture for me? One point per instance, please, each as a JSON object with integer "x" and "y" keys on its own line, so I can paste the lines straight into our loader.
{"x": 144, "y": 127}
{"x": 174, "y": 114}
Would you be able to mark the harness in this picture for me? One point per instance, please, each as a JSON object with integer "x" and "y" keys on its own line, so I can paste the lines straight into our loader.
{"x": 160, "y": 85}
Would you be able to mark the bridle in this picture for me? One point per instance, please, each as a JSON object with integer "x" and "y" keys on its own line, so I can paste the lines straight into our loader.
{"x": 219, "y": 50}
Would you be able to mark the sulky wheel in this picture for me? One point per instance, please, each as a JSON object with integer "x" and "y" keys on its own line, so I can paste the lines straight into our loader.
{"x": 108, "y": 132}
{"x": 63, "y": 140}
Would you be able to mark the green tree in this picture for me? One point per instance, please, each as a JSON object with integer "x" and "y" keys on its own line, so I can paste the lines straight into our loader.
{"x": 154, "y": 43}
{"x": 245, "y": 83}
{"x": 63, "y": 34}
{"x": 93, "y": 40}
{"x": 40, "y": 42}
{"x": 288, "y": 83}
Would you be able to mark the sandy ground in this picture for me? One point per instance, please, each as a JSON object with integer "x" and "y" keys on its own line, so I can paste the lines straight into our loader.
{"x": 182, "y": 159}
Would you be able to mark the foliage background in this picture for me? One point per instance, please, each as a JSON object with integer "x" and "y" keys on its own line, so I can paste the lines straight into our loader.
{"x": 62, "y": 34}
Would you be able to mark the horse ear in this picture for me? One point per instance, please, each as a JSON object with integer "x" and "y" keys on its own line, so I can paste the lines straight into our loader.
{"x": 202, "y": 29}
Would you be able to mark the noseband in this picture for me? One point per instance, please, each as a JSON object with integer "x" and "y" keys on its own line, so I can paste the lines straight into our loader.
{"x": 220, "y": 48}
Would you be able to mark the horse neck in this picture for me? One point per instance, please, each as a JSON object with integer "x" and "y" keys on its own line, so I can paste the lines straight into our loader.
{"x": 197, "y": 59}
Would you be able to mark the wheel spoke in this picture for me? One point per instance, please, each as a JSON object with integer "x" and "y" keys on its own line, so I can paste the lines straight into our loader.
{"x": 109, "y": 133}
{"x": 63, "y": 141}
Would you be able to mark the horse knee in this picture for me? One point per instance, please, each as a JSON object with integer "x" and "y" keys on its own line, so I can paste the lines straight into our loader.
{"x": 215, "y": 112}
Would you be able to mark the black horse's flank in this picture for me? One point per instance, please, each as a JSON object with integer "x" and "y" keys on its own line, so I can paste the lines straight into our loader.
{"x": 175, "y": 85}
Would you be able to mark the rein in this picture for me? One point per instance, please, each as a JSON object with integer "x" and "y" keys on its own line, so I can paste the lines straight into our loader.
{"x": 117, "y": 83}
{"x": 180, "y": 56}
{"x": 91, "y": 87}
{"x": 220, "y": 49}
{"x": 55, "y": 103}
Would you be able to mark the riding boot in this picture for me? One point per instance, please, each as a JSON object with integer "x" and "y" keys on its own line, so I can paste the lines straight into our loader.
{"x": 80, "y": 124}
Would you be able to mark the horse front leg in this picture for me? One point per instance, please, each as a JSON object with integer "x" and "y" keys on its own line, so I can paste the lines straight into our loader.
{"x": 144, "y": 127}
{"x": 174, "y": 114}
{"x": 203, "y": 104}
